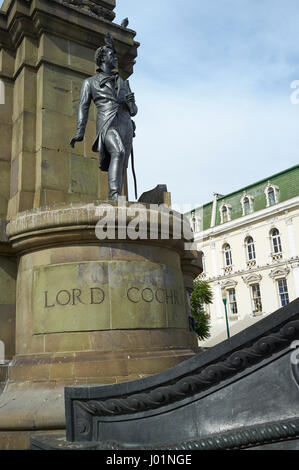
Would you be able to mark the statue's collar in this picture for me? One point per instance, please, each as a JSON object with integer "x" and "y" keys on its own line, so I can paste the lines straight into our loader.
{"x": 100, "y": 71}
{"x": 106, "y": 77}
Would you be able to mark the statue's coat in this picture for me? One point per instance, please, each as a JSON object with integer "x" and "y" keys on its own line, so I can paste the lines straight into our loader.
{"x": 108, "y": 93}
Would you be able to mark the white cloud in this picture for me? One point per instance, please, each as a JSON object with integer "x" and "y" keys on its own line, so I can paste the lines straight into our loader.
{"x": 212, "y": 81}
{"x": 199, "y": 144}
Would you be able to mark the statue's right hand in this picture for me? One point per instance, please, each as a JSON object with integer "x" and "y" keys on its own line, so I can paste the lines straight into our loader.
{"x": 77, "y": 138}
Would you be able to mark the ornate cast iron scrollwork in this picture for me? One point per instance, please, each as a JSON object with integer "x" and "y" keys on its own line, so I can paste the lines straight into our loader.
{"x": 195, "y": 383}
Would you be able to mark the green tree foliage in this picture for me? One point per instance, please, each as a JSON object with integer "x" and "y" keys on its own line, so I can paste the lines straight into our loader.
{"x": 201, "y": 295}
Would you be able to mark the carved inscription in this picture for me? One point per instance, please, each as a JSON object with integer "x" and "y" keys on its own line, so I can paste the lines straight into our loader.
{"x": 101, "y": 295}
{"x": 93, "y": 295}
{"x": 96, "y": 296}
{"x": 161, "y": 296}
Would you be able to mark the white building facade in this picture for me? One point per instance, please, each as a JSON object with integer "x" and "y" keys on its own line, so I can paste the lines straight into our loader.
{"x": 250, "y": 252}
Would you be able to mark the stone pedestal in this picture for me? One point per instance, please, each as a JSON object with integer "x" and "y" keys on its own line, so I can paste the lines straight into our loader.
{"x": 90, "y": 311}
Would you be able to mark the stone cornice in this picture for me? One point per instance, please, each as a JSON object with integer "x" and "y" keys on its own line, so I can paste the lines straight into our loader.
{"x": 252, "y": 277}
{"x": 66, "y": 224}
{"x": 229, "y": 283}
{"x": 243, "y": 272}
{"x": 33, "y": 18}
{"x": 94, "y": 8}
{"x": 279, "y": 272}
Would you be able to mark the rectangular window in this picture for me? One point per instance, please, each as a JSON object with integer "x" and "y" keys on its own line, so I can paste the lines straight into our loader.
{"x": 256, "y": 298}
{"x": 283, "y": 292}
{"x": 228, "y": 258}
{"x": 251, "y": 252}
{"x": 232, "y": 302}
{"x": 277, "y": 244}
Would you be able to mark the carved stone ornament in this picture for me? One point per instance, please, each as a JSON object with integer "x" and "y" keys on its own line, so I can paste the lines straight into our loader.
{"x": 252, "y": 278}
{"x": 279, "y": 273}
{"x": 229, "y": 284}
{"x": 91, "y": 7}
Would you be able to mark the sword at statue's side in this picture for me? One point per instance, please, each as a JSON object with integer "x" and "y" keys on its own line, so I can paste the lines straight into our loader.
{"x": 131, "y": 95}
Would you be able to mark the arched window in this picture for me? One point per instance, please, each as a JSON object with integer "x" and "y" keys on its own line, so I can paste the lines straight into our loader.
{"x": 246, "y": 206}
{"x": 194, "y": 222}
{"x": 250, "y": 248}
{"x": 276, "y": 241}
{"x": 271, "y": 193}
{"x": 228, "y": 261}
{"x": 271, "y": 196}
{"x": 225, "y": 214}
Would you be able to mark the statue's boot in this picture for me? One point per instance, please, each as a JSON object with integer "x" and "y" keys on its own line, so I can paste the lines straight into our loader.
{"x": 115, "y": 176}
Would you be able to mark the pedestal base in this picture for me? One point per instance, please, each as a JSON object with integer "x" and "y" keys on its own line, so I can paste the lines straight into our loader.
{"x": 33, "y": 398}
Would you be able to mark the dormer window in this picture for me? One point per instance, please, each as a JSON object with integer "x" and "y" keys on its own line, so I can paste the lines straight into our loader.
{"x": 247, "y": 204}
{"x": 225, "y": 210}
{"x": 224, "y": 214}
{"x": 271, "y": 196}
{"x": 194, "y": 222}
{"x": 271, "y": 193}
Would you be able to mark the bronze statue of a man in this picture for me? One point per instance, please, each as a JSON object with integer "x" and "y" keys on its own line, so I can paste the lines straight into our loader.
{"x": 115, "y": 104}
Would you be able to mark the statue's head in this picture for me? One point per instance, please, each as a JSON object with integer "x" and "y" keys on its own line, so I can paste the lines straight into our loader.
{"x": 106, "y": 54}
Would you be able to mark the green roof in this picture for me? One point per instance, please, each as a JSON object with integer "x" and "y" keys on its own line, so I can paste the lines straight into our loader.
{"x": 287, "y": 182}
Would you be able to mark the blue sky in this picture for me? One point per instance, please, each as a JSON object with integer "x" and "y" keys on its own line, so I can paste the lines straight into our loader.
{"x": 213, "y": 82}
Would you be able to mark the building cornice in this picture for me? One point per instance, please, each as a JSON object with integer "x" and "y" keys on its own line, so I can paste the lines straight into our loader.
{"x": 283, "y": 264}
{"x": 248, "y": 219}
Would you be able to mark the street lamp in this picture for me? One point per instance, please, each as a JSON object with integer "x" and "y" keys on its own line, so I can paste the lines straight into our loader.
{"x": 224, "y": 300}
